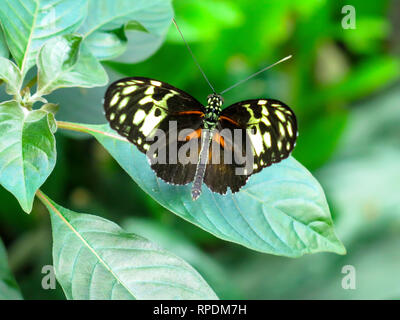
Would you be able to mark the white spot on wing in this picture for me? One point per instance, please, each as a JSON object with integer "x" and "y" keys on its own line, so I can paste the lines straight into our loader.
{"x": 267, "y": 139}
{"x": 256, "y": 140}
{"x": 151, "y": 121}
{"x": 114, "y": 99}
{"x": 129, "y": 89}
{"x": 122, "y": 118}
{"x": 149, "y": 90}
{"x": 155, "y": 83}
{"x": 123, "y": 103}
{"x": 289, "y": 129}
{"x": 145, "y": 100}
{"x": 280, "y": 115}
{"x": 139, "y": 116}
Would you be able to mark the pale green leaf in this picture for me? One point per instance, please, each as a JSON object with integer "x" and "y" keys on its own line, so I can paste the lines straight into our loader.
{"x": 30, "y": 23}
{"x": 66, "y": 62}
{"x": 3, "y": 45}
{"x": 27, "y": 151}
{"x": 8, "y": 287}
{"x": 175, "y": 241}
{"x": 11, "y": 75}
{"x": 140, "y": 46}
{"x": 111, "y": 25}
{"x": 106, "y": 45}
{"x": 95, "y": 259}
{"x": 281, "y": 210}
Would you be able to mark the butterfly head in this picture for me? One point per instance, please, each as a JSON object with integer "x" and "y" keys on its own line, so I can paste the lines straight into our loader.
{"x": 215, "y": 99}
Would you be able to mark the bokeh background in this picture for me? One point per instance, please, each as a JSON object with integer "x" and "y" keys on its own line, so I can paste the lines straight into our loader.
{"x": 343, "y": 84}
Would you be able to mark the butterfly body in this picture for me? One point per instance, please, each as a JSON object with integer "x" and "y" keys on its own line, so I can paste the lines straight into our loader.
{"x": 139, "y": 108}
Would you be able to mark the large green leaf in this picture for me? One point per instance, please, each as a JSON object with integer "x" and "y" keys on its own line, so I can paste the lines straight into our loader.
{"x": 29, "y": 23}
{"x": 175, "y": 241}
{"x": 11, "y": 75}
{"x": 95, "y": 259}
{"x": 112, "y": 25}
{"x": 8, "y": 287}
{"x": 27, "y": 151}
{"x": 66, "y": 62}
{"x": 281, "y": 210}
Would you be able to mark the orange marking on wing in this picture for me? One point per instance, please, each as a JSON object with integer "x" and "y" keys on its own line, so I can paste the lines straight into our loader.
{"x": 219, "y": 139}
{"x": 190, "y": 112}
{"x": 229, "y": 120}
{"x": 193, "y": 135}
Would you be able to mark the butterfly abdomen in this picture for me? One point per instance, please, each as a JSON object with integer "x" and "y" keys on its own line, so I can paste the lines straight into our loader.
{"x": 211, "y": 117}
{"x": 201, "y": 164}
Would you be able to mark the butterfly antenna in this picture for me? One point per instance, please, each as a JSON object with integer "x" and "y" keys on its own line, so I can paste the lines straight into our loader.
{"x": 194, "y": 58}
{"x": 257, "y": 73}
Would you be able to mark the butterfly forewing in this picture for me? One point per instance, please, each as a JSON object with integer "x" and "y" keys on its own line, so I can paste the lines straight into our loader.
{"x": 270, "y": 125}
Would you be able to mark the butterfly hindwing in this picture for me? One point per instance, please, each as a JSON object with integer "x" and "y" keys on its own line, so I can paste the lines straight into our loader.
{"x": 227, "y": 159}
{"x": 270, "y": 126}
{"x": 136, "y": 107}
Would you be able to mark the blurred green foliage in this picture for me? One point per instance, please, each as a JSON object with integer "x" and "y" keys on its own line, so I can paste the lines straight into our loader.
{"x": 344, "y": 87}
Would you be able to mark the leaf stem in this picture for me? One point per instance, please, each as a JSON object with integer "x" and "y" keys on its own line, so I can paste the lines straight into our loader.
{"x": 71, "y": 126}
{"x": 41, "y": 197}
{"x": 81, "y": 128}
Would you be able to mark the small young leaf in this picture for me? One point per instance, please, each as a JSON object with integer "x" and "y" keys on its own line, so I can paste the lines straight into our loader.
{"x": 50, "y": 108}
{"x": 8, "y": 287}
{"x": 11, "y": 75}
{"x": 95, "y": 259}
{"x": 135, "y": 25}
{"x": 30, "y": 23}
{"x": 281, "y": 210}
{"x": 27, "y": 151}
{"x": 66, "y": 62}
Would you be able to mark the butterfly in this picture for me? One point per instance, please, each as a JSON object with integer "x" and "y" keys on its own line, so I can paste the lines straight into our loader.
{"x": 137, "y": 108}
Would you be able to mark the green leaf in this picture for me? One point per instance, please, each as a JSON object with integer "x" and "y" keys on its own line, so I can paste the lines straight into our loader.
{"x": 8, "y": 287}
{"x": 11, "y": 75}
{"x": 28, "y": 24}
{"x": 66, "y": 62}
{"x": 281, "y": 210}
{"x": 113, "y": 25}
{"x": 106, "y": 45}
{"x": 141, "y": 45}
{"x": 95, "y": 259}
{"x": 3, "y": 46}
{"x": 173, "y": 240}
{"x": 27, "y": 151}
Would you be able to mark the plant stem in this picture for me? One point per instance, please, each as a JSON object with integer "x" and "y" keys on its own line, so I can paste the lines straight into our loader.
{"x": 31, "y": 82}
{"x": 81, "y": 128}
{"x": 71, "y": 126}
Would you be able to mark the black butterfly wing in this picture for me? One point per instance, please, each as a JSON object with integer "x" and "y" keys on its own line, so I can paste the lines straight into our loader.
{"x": 227, "y": 159}
{"x": 271, "y": 128}
{"x": 137, "y": 107}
